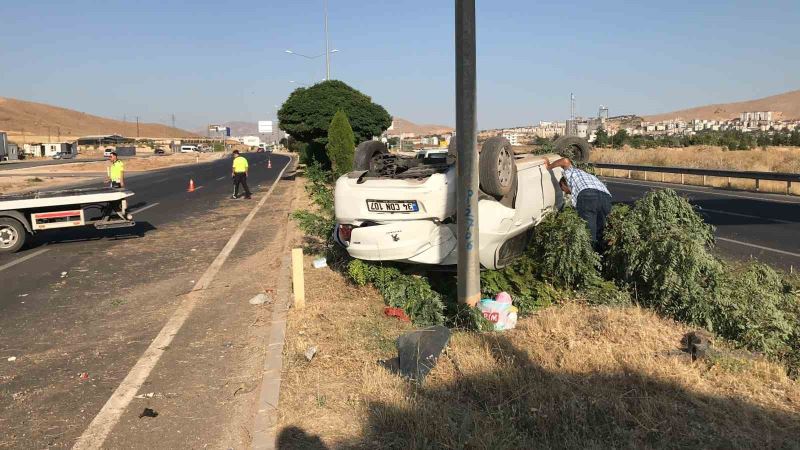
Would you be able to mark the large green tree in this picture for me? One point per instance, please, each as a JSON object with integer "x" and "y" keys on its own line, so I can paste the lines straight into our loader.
{"x": 341, "y": 144}
{"x": 308, "y": 112}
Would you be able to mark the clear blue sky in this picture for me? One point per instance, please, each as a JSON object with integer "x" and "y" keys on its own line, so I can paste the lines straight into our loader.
{"x": 208, "y": 61}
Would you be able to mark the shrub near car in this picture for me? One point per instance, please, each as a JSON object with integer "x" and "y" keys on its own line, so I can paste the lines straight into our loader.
{"x": 395, "y": 208}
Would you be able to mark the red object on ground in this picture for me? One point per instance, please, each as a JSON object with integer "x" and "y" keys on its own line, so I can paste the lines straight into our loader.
{"x": 393, "y": 311}
{"x": 191, "y": 186}
{"x": 84, "y": 376}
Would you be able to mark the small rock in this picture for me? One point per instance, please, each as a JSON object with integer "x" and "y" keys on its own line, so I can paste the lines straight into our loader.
{"x": 63, "y": 274}
{"x": 149, "y": 413}
{"x": 259, "y": 299}
{"x": 12, "y": 358}
{"x": 310, "y": 352}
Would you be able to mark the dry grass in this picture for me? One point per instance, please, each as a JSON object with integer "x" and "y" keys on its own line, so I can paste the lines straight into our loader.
{"x": 570, "y": 377}
{"x": 773, "y": 159}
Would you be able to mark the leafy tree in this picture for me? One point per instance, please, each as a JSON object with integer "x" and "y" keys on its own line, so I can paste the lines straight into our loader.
{"x": 601, "y": 138}
{"x": 308, "y": 112}
{"x": 619, "y": 139}
{"x": 341, "y": 144}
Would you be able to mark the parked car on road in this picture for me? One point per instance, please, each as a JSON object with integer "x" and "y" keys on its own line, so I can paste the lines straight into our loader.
{"x": 395, "y": 208}
{"x": 61, "y": 155}
{"x": 189, "y": 148}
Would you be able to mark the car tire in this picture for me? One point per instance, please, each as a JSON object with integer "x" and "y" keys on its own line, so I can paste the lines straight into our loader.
{"x": 366, "y": 151}
{"x": 497, "y": 167}
{"x": 573, "y": 147}
{"x": 12, "y": 235}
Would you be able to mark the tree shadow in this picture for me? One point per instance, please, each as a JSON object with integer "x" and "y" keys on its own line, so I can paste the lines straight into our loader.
{"x": 519, "y": 404}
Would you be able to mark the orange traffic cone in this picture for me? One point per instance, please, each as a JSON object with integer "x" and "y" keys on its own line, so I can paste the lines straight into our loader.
{"x": 191, "y": 185}
{"x": 269, "y": 163}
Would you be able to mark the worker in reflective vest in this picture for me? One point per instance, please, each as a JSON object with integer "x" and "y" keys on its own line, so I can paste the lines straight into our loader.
{"x": 240, "y": 169}
{"x": 116, "y": 172}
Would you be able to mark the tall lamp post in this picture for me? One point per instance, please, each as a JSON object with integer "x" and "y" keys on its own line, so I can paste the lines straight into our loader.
{"x": 326, "y": 55}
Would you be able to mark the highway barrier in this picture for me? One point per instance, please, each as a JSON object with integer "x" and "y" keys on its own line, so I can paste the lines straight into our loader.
{"x": 788, "y": 178}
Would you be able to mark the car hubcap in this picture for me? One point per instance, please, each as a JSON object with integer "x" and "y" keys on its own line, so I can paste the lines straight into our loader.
{"x": 504, "y": 168}
{"x": 8, "y": 236}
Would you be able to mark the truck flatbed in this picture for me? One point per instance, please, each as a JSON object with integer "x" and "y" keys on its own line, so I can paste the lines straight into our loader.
{"x": 27, "y": 213}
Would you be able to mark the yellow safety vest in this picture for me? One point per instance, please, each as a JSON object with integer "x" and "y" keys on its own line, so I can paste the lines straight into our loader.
{"x": 240, "y": 165}
{"x": 115, "y": 171}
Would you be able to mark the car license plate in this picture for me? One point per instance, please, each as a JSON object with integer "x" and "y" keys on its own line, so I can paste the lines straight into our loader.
{"x": 392, "y": 206}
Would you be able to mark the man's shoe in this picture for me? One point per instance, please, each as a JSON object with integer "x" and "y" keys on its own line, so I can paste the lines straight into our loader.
{"x": 234, "y": 197}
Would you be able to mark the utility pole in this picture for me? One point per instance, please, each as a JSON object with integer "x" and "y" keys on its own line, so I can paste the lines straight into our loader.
{"x": 137, "y": 126}
{"x": 469, "y": 282}
{"x": 173, "y": 120}
{"x": 327, "y": 47}
{"x": 572, "y": 106}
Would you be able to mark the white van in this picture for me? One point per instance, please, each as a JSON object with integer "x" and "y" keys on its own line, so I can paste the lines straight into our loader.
{"x": 189, "y": 148}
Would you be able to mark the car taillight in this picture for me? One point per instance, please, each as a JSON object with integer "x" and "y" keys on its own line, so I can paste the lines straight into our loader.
{"x": 345, "y": 231}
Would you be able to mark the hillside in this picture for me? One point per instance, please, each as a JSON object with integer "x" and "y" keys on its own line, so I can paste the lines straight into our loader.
{"x": 400, "y": 126}
{"x": 18, "y": 116}
{"x": 788, "y": 104}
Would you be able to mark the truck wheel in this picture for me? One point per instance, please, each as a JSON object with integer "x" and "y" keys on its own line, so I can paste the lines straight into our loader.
{"x": 573, "y": 147}
{"x": 497, "y": 167}
{"x": 366, "y": 151}
{"x": 12, "y": 235}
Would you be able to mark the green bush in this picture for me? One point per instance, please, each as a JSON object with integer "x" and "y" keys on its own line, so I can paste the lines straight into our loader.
{"x": 660, "y": 248}
{"x": 341, "y": 144}
{"x": 519, "y": 280}
{"x": 562, "y": 250}
{"x": 606, "y": 293}
{"x": 758, "y": 310}
{"x": 413, "y": 294}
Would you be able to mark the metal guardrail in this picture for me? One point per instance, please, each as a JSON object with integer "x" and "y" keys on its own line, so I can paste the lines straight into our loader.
{"x": 788, "y": 178}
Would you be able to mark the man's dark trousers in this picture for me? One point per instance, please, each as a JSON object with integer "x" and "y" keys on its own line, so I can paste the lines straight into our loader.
{"x": 240, "y": 178}
{"x": 593, "y": 207}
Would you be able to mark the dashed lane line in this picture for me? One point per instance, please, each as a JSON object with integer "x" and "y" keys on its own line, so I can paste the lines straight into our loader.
{"x": 23, "y": 259}
{"x": 760, "y": 247}
{"x": 143, "y": 208}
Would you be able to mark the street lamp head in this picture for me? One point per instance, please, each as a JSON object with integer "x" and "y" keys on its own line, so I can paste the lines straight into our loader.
{"x": 289, "y": 51}
{"x": 334, "y": 50}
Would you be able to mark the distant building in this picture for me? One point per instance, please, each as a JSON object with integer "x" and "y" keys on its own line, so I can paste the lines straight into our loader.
{"x": 513, "y": 138}
{"x": 250, "y": 141}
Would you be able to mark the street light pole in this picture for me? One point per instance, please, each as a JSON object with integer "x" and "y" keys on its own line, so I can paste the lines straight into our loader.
{"x": 327, "y": 47}
{"x": 469, "y": 286}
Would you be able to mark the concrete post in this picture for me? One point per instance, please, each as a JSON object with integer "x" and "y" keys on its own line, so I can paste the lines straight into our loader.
{"x": 469, "y": 288}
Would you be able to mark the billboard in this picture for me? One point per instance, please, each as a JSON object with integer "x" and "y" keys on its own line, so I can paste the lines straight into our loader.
{"x": 265, "y": 126}
{"x": 220, "y": 129}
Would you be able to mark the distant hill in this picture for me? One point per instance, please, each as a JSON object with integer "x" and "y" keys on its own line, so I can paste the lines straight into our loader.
{"x": 400, "y": 126}
{"x": 788, "y": 104}
{"x": 18, "y": 116}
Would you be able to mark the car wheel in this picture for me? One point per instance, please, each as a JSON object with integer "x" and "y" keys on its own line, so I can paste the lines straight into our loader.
{"x": 366, "y": 151}
{"x": 573, "y": 147}
{"x": 497, "y": 167}
{"x": 12, "y": 235}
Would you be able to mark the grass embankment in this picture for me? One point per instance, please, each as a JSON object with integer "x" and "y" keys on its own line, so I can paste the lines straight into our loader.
{"x": 570, "y": 376}
{"x": 771, "y": 159}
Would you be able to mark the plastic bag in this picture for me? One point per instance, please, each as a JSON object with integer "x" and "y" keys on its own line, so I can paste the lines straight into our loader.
{"x": 499, "y": 311}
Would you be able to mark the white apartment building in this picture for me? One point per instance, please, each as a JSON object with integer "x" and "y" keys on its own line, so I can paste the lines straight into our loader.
{"x": 513, "y": 138}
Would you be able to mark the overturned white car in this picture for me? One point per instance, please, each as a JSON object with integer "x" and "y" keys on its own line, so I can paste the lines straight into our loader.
{"x": 403, "y": 209}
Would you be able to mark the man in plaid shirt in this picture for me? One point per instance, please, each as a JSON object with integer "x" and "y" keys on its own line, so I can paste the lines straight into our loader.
{"x": 589, "y": 196}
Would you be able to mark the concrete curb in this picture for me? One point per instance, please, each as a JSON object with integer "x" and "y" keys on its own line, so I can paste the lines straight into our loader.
{"x": 265, "y": 420}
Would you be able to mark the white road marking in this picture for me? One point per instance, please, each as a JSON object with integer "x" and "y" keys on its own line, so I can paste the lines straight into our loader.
{"x": 761, "y": 247}
{"x": 23, "y": 259}
{"x": 717, "y": 211}
{"x": 221, "y": 178}
{"x": 96, "y": 433}
{"x": 679, "y": 187}
{"x": 137, "y": 211}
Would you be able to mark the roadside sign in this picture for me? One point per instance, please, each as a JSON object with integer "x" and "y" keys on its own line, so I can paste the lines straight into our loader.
{"x": 265, "y": 126}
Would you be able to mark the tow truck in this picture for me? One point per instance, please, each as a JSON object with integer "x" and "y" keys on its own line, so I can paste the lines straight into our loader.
{"x": 23, "y": 215}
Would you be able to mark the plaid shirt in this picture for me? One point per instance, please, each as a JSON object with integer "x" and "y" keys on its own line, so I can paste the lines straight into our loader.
{"x": 578, "y": 181}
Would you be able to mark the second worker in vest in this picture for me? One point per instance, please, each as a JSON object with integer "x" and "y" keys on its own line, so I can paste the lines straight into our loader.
{"x": 116, "y": 172}
{"x": 240, "y": 169}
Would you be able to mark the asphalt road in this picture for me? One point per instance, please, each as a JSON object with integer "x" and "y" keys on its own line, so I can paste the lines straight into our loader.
{"x": 90, "y": 301}
{"x": 161, "y": 198}
{"x": 748, "y": 224}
